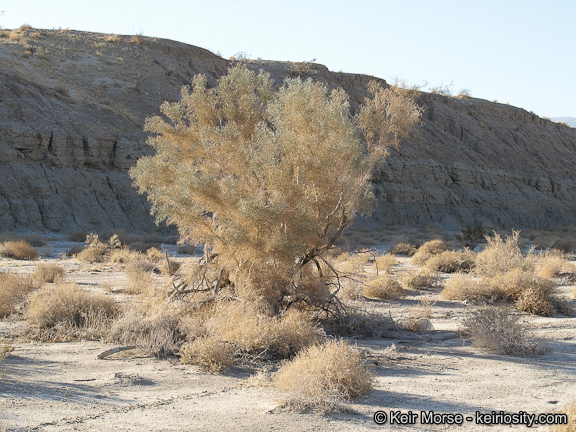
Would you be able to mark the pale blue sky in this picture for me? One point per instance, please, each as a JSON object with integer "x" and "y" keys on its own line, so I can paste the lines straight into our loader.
{"x": 518, "y": 51}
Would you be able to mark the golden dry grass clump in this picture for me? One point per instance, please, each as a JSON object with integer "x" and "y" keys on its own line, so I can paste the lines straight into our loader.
{"x": 59, "y": 311}
{"x": 123, "y": 256}
{"x": 383, "y": 287}
{"x": 97, "y": 251}
{"x": 500, "y": 256}
{"x": 351, "y": 262}
{"x": 551, "y": 265}
{"x": 420, "y": 279}
{"x": 94, "y": 253}
{"x": 531, "y": 293}
{"x": 403, "y": 248}
{"x": 451, "y": 261}
{"x": 500, "y": 330}
{"x": 13, "y": 291}
{"x": 466, "y": 287}
{"x": 385, "y": 262}
{"x": 253, "y": 331}
{"x": 48, "y": 272}
{"x": 429, "y": 249}
{"x": 18, "y": 249}
{"x": 210, "y": 354}
{"x": 321, "y": 377}
{"x": 139, "y": 272}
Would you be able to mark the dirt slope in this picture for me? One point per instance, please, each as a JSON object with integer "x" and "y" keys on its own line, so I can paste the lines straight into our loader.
{"x": 72, "y": 107}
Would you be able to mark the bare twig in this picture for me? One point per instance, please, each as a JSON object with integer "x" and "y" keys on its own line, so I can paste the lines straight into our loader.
{"x": 114, "y": 351}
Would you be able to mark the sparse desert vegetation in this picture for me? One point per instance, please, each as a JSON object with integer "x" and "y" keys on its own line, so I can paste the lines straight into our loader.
{"x": 129, "y": 302}
{"x": 286, "y": 292}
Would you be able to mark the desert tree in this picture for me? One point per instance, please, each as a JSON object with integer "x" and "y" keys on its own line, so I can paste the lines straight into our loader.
{"x": 267, "y": 178}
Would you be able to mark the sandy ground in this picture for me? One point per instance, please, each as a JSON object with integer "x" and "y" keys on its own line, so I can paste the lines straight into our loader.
{"x": 64, "y": 387}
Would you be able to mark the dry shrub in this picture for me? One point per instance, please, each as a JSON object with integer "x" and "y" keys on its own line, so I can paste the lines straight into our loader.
{"x": 385, "y": 262}
{"x": 210, "y": 354}
{"x": 421, "y": 279}
{"x": 153, "y": 327}
{"x": 252, "y": 331}
{"x": 78, "y": 236}
{"x": 140, "y": 276}
{"x": 13, "y": 291}
{"x": 570, "y": 411}
{"x": 155, "y": 254}
{"x": 123, "y": 256}
{"x": 359, "y": 323}
{"x": 515, "y": 282}
{"x": 19, "y": 249}
{"x": 5, "y": 350}
{"x": 534, "y": 301}
{"x": 351, "y": 262}
{"x": 118, "y": 234}
{"x": 75, "y": 250}
{"x": 551, "y": 266}
{"x": 57, "y": 312}
{"x": 321, "y": 377}
{"x": 451, "y": 261}
{"x": 48, "y": 272}
{"x": 531, "y": 293}
{"x": 94, "y": 253}
{"x": 416, "y": 324}
{"x": 352, "y": 288}
{"x": 383, "y": 287}
{"x": 434, "y": 247}
{"x": 429, "y": 249}
{"x": 403, "y": 248}
{"x": 500, "y": 256}
{"x": 466, "y": 287}
{"x": 499, "y": 330}
{"x": 423, "y": 309}
{"x": 170, "y": 267}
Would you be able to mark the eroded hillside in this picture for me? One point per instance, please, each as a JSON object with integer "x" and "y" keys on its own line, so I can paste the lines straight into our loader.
{"x": 73, "y": 105}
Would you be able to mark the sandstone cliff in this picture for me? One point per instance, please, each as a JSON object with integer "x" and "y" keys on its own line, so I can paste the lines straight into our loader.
{"x": 73, "y": 104}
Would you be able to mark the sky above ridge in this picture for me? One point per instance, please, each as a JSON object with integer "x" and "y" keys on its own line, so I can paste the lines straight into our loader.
{"x": 520, "y": 52}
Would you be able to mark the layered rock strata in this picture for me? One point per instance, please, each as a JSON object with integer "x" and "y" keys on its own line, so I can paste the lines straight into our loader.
{"x": 73, "y": 105}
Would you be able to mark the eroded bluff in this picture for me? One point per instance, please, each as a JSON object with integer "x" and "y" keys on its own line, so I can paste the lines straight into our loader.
{"x": 73, "y": 105}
